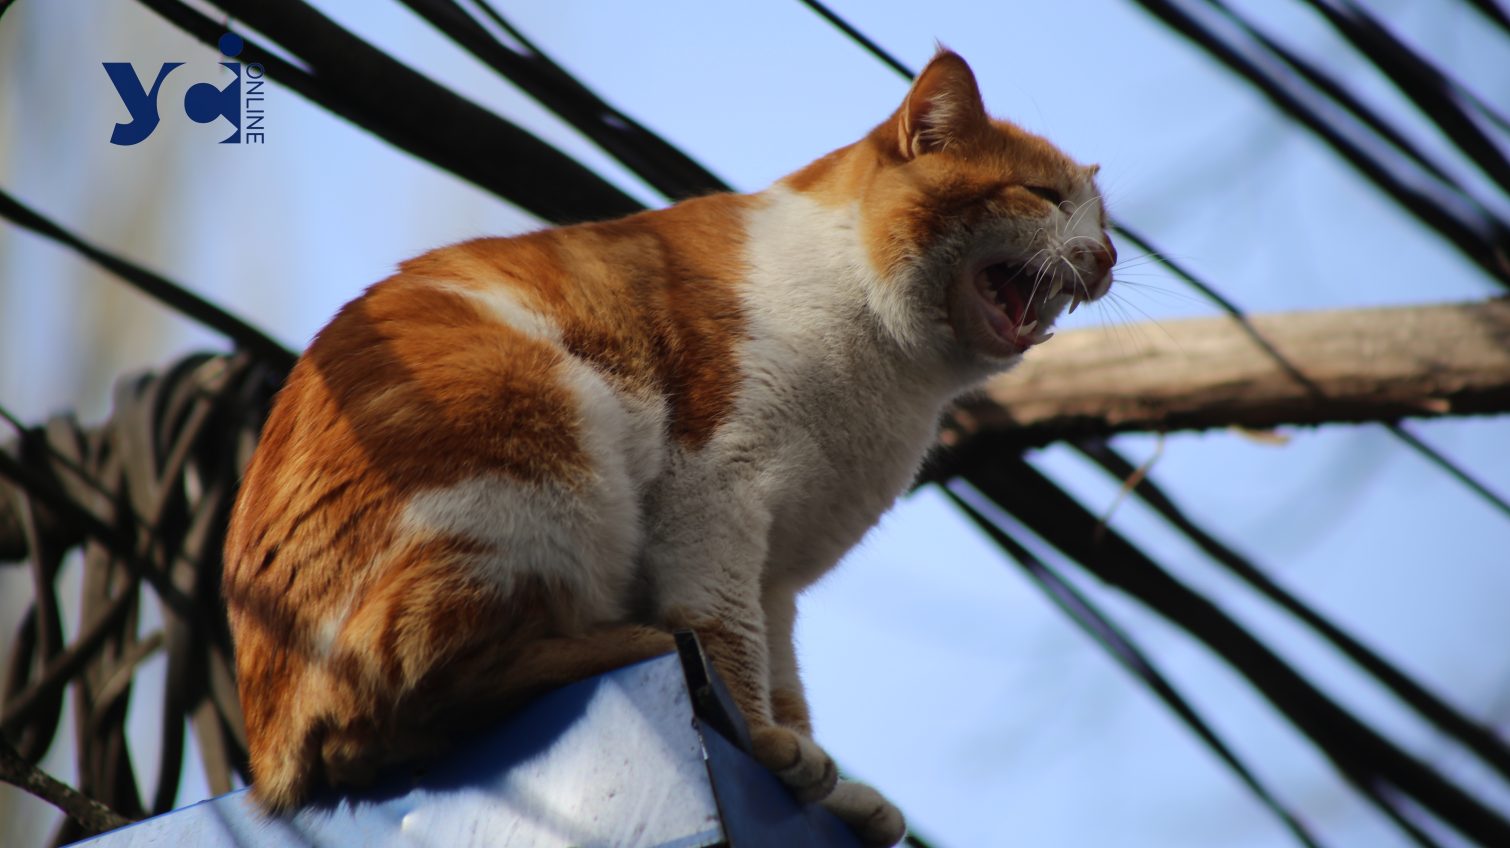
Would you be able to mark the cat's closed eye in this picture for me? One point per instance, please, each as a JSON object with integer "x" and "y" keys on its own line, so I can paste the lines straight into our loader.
{"x": 1049, "y": 194}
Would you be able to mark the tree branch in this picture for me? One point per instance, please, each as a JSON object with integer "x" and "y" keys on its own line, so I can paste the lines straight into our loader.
{"x": 91, "y": 815}
{"x": 1294, "y": 368}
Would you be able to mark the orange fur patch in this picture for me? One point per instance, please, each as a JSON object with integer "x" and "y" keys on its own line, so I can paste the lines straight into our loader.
{"x": 651, "y": 301}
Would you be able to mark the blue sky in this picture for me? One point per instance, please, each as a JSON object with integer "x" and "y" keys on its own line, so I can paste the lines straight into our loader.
{"x": 935, "y": 669}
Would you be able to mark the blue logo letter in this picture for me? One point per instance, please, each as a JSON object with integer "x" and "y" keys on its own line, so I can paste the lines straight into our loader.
{"x": 203, "y": 103}
{"x": 140, "y": 103}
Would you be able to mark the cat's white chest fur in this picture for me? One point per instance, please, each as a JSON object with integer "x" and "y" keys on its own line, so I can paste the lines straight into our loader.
{"x": 835, "y": 422}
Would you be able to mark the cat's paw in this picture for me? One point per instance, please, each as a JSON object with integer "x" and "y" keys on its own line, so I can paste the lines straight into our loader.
{"x": 875, "y": 820}
{"x": 797, "y": 760}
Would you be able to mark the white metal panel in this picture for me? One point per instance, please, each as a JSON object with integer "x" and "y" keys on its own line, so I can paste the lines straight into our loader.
{"x": 615, "y": 762}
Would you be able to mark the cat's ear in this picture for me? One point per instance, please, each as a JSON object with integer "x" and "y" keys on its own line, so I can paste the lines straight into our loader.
{"x": 942, "y": 108}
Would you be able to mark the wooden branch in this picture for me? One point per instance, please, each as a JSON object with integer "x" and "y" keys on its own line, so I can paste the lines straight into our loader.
{"x": 1295, "y": 368}
{"x": 91, "y": 815}
{"x": 1292, "y": 368}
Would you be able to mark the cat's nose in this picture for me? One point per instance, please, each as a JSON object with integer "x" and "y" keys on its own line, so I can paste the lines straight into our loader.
{"x": 1102, "y": 255}
{"x": 1105, "y": 256}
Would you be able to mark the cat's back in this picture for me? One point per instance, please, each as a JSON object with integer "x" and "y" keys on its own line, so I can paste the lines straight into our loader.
{"x": 538, "y": 360}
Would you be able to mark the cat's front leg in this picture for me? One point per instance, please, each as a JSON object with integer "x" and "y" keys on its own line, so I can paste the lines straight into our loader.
{"x": 874, "y": 819}
{"x": 788, "y": 701}
{"x": 705, "y": 559}
{"x": 731, "y": 628}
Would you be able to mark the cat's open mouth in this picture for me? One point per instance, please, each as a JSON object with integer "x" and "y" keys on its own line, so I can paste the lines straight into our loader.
{"x": 1020, "y": 301}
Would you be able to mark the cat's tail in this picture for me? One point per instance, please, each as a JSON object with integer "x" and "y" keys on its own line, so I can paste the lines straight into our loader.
{"x": 285, "y": 732}
{"x": 283, "y": 778}
{"x": 301, "y": 751}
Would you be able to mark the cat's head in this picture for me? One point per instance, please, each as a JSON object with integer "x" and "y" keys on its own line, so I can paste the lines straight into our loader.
{"x": 979, "y": 233}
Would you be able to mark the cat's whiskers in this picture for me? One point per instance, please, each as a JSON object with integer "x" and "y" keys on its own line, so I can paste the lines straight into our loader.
{"x": 1079, "y": 279}
{"x": 1080, "y": 285}
{"x": 1153, "y": 286}
{"x": 1124, "y": 268}
{"x": 1140, "y": 260}
{"x": 1158, "y": 256}
{"x": 1056, "y": 283}
{"x": 1034, "y": 257}
{"x": 1149, "y": 319}
{"x": 1131, "y": 326}
{"x": 1156, "y": 279}
{"x": 1032, "y": 261}
{"x": 1062, "y": 244}
{"x": 1093, "y": 203}
{"x": 1044, "y": 269}
{"x": 1119, "y": 326}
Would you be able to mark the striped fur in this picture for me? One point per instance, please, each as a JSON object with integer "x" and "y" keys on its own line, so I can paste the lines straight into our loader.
{"x": 518, "y": 462}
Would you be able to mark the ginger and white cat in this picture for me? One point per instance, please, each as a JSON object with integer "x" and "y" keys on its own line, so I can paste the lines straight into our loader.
{"x": 519, "y": 462}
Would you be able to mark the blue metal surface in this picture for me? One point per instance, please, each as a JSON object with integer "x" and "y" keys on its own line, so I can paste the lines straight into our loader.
{"x": 758, "y": 812}
{"x": 622, "y": 760}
